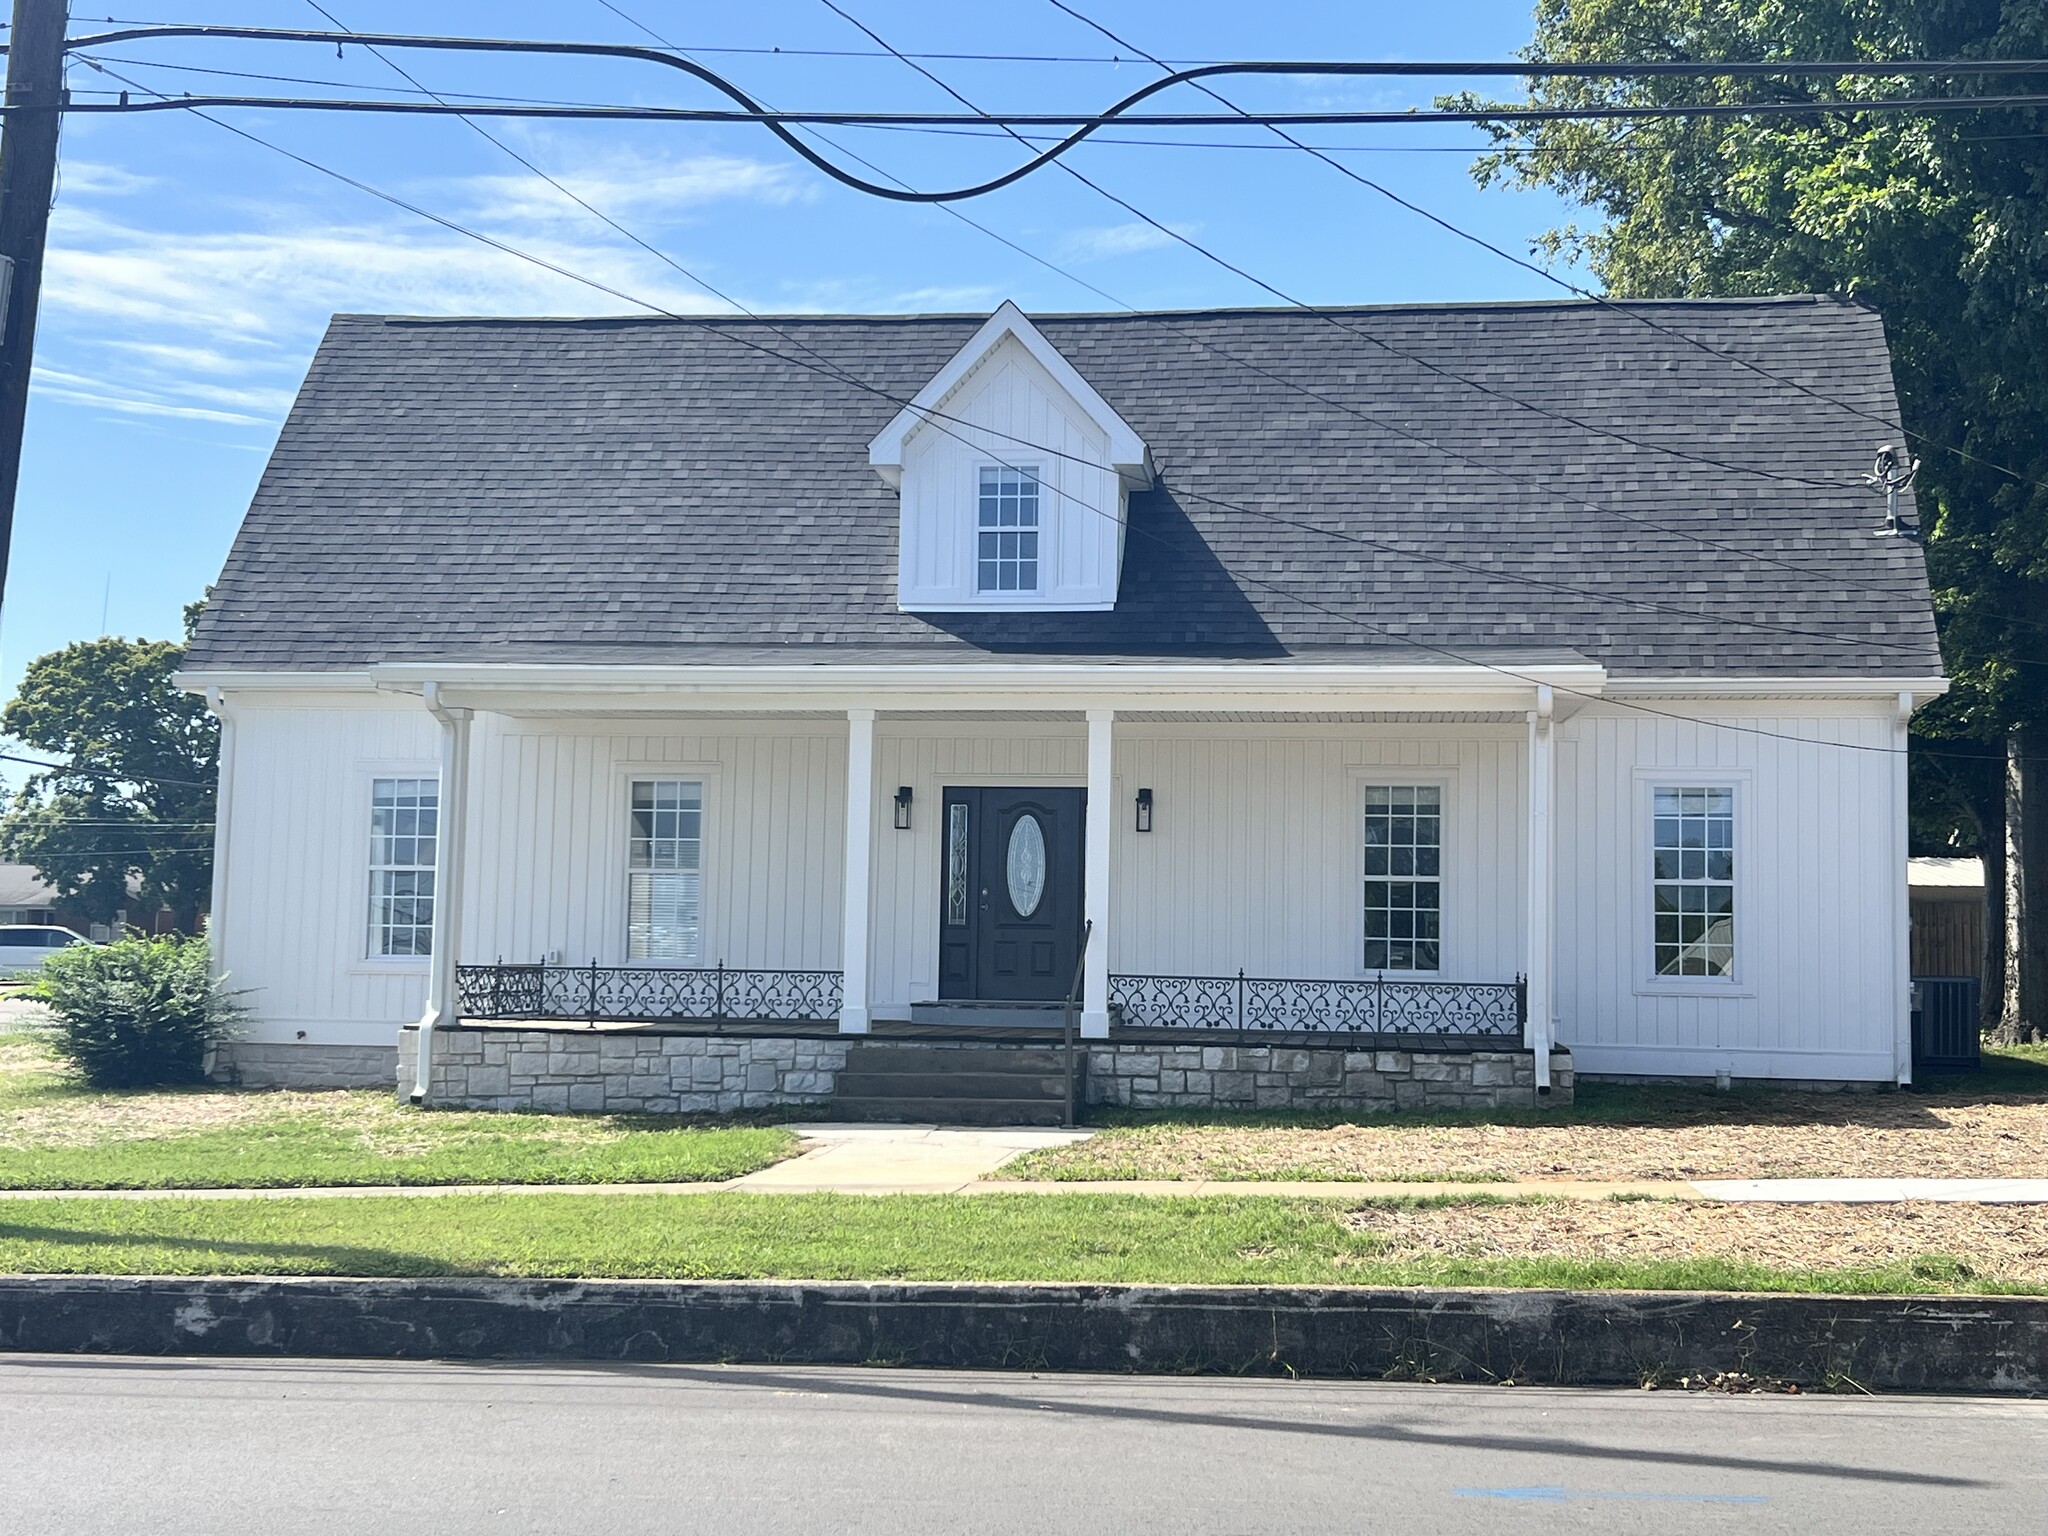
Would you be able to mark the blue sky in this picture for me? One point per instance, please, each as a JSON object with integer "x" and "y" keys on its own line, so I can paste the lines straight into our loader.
{"x": 191, "y": 272}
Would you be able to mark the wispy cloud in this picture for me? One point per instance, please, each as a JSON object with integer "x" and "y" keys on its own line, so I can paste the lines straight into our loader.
{"x": 86, "y": 178}
{"x": 972, "y": 297}
{"x": 629, "y": 186}
{"x": 1119, "y": 240}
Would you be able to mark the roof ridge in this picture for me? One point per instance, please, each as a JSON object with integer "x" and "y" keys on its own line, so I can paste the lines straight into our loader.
{"x": 1430, "y": 306}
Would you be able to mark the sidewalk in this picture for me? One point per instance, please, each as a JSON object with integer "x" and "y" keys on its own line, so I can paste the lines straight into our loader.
{"x": 942, "y": 1160}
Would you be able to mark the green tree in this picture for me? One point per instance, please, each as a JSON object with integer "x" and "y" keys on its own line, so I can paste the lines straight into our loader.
{"x": 1938, "y": 220}
{"x": 133, "y": 799}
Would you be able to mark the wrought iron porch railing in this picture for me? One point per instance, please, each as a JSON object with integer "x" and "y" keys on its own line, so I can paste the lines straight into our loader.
{"x": 654, "y": 993}
{"x": 1372, "y": 1006}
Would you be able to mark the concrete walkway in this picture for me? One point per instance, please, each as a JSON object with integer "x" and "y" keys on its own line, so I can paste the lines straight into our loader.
{"x": 941, "y": 1160}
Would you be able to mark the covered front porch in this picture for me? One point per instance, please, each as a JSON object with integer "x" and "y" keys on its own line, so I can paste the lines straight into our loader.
{"x": 1270, "y": 855}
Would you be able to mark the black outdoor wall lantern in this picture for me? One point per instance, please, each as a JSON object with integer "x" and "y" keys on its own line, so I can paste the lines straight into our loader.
{"x": 1144, "y": 810}
{"x": 903, "y": 808}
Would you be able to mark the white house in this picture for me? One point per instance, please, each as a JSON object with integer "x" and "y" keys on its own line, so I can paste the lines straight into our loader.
{"x": 1462, "y": 680}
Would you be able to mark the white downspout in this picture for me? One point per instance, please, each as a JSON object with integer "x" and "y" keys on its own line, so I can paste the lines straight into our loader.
{"x": 448, "y": 868}
{"x": 223, "y": 812}
{"x": 1902, "y": 910}
{"x": 1542, "y": 891}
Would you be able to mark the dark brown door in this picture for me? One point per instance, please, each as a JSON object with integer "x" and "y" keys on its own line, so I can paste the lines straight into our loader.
{"x": 1010, "y": 893}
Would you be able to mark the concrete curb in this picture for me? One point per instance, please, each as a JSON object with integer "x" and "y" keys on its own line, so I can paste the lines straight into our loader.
{"x": 1965, "y": 1344}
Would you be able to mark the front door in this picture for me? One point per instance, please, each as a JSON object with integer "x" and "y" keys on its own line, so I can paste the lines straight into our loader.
{"x": 1010, "y": 894}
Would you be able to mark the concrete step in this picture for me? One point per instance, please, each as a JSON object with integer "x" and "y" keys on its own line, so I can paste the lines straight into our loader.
{"x": 860, "y": 1083}
{"x": 964, "y": 1058}
{"x": 987, "y": 1015}
{"x": 953, "y": 1111}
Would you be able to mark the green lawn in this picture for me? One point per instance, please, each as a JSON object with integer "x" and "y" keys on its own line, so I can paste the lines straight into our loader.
{"x": 56, "y": 1134}
{"x": 1089, "y": 1238}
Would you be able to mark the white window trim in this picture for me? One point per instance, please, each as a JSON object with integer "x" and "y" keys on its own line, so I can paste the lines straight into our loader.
{"x": 617, "y": 863}
{"x": 1454, "y": 922}
{"x": 1042, "y": 528}
{"x": 1642, "y": 924}
{"x": 361, "y": 807}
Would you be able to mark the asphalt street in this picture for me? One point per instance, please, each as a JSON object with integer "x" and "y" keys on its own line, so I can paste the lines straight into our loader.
{"x": 122, "y": 1445}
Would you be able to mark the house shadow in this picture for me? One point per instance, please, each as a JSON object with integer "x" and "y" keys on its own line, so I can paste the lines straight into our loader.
{"x": 1177, "y": 596}
{"x": 330, "y": 1258}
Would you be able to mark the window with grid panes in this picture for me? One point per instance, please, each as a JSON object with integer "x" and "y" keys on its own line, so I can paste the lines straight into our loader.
{"x": 664, "y": 879}
{"x": 1006, "y": 551}
{"x": 1404, "y": 842}
{"x": 404, "y": 829}
{"x": 1692, "y": 857}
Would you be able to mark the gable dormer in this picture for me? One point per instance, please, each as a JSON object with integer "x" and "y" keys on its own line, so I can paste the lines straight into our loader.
{"x": 1013, "y": 475}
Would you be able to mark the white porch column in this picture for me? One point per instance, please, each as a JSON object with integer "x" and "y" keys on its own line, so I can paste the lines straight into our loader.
{"x": 857, "y": 942}
{"x": 1542, "y": 895}
{"x": 1095, "y": 898}
{"x": 450, "y": 855}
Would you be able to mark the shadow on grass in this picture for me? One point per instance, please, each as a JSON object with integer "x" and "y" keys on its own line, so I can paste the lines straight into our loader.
{"x": 334, "y": 1259}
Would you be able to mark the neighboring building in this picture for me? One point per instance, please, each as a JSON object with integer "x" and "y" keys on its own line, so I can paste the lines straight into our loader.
{"x": 1948, "y": 916}
{"x": 1329, "y": 671}
{"x": 25, "y": 897}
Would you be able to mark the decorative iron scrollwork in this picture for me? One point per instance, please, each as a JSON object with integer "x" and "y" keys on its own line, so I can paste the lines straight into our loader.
{"x": 1368, "y": 1006}
{"x": 646, "y": 993}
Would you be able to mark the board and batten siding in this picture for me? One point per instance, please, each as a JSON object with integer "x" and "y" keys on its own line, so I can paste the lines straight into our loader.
{"x": 294, "y": 929}
{"x": 1007, "y": 400}
{"x": 1818, "y": 879}
{"x": 1255, "y": 858}
{"x": 1254, "y": 861}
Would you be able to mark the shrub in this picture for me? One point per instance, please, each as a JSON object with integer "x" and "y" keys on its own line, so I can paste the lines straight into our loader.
{"x": 135, "y": 1013}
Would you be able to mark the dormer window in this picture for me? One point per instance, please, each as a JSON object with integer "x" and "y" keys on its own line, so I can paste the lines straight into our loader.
{"x": 995, "y": 520}
{"x": 1006, "y": 553}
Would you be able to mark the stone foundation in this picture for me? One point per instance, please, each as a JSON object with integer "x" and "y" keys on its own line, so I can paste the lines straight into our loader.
{"x": 1280, "y": 1077}
{"x": 268, "y": 1064}
{"x": 649, "y": 1072}
{"x": 622, "y": 1072}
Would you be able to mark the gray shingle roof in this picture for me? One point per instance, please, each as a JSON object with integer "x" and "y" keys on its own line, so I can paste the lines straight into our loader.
{"x": 668, "y": 489}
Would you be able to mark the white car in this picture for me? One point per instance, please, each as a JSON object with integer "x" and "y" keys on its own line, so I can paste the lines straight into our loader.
{"x": 25, "y": 946}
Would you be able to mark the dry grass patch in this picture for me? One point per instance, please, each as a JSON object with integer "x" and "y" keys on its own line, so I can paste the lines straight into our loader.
{"x": 56, "y": 1133}
{"x": 1943, "y": 1243}
{"x": 1762, "y": 1135}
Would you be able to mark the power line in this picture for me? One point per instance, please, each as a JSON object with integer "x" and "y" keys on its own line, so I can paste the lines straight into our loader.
{"x": 1100, "y": 140}
{"x": 1340, "y": 535}
{"x": 1425, "y": 442}
{"x": 96, "y": 773}
{"x": 783, "y": 124}
{"x": 1537, "y": 268}
{"x": 937, "y": 419}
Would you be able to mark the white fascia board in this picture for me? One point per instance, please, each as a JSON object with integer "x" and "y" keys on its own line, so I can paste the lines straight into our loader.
{"x": 230, "y": 680}
{"x": 1282, "y": 687}
{"x": 1921, "y": 688}
{"x": 1127, "y": 452}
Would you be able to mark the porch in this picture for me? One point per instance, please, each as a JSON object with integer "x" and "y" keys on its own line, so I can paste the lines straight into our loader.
{"x": 1049, "y": 853}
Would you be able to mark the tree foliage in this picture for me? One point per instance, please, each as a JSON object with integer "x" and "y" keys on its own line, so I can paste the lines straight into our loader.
{"x": 133, "y": 801}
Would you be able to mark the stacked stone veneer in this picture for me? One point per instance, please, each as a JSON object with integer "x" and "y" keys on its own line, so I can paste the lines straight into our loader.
{"x": 649, "y": 1072}
{"x": 622, "y": 1072}
{"x": 1279, "y": 1077}
{"x": 271, "y": 1064}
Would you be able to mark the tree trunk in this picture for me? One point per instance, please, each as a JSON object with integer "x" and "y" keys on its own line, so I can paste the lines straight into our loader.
{"x": 2012, "y": 899}
{"x": 1987, "y": 799}
{"x": 2030, "y": 852}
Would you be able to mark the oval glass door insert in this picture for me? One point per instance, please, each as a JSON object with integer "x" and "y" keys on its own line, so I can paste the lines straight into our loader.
{"x": 1025, "y": 865}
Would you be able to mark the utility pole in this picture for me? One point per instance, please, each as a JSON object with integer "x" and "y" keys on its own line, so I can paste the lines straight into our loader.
{"x": 28, "y": 180}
